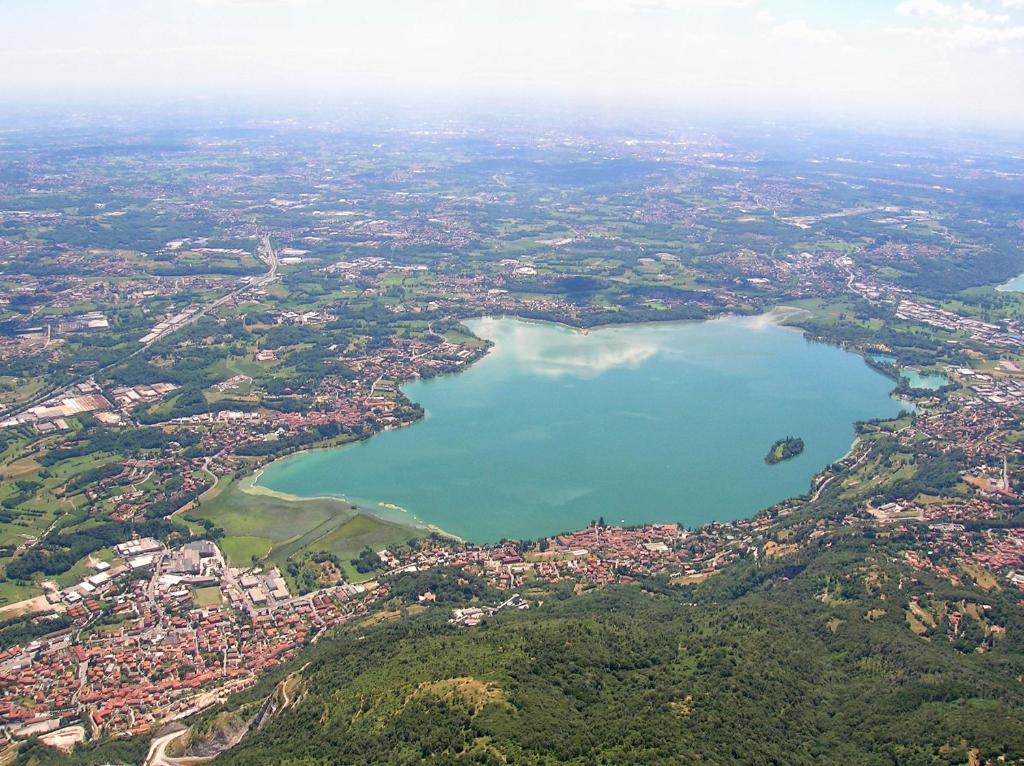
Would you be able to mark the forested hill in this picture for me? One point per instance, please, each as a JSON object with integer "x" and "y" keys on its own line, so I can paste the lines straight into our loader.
{"x": 836, "y": 656}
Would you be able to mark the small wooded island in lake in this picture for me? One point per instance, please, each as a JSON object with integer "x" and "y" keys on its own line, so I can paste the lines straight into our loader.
{"x": 784, "y": 449}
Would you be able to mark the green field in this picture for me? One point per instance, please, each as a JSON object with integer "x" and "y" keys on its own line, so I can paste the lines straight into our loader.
{"x": 83, "y": 568}
{"x": 206, "y": 597}
{"x": 274, "y": 527}
{"x": 12, "y": 593}
{"x": 243, "y": 549}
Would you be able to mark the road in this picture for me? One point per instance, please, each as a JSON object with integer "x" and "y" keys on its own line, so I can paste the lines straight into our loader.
{"x": 157, "y": 755}
{"x": 194, "y": 503}
{"x": 268, "y": 254}
{"x": 829, "y": 480}
{"x": 158, "y": 560}
{"x": 157, "y": 748}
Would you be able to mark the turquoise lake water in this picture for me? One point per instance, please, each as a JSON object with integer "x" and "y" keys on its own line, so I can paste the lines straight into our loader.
{"x": 642, "y": 423}
{"x": 929, "y": 381}
{"x": 1015, "y": 285}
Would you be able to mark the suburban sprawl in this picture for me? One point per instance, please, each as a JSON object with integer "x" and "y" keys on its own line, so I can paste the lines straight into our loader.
{"x": 179, "y": 310}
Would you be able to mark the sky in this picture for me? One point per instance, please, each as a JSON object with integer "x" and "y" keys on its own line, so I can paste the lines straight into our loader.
{"x": 911, "y": 60}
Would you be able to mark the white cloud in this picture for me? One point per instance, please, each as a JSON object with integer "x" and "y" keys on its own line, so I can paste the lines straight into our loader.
{"x": 662, "y": 6}
{"x": 960, "y": 25}
{"x": 974, "y": 15}
{"x": 965, "y": 12}
{"x": 935, "y": 8}
{"x": 798, "y": 30}
{"x": 970, "y": 36}
{"x": 922, "y": 8}
{"x": 249, "y": 3}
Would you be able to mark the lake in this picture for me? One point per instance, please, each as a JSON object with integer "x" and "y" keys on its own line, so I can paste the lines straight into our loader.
{"x": 1015, "y": 285}
{"x": 555, "y": 428}
{"x": 927, "y": 381}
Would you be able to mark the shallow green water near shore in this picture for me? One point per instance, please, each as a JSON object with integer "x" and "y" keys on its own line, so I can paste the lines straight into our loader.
{"x": 1015, "y": 285}
{"x": 928, "y": 381}
{"x": 554, "y": 428}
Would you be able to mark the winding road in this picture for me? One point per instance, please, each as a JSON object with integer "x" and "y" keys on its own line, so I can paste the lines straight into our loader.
{"x": 158, "y": 748}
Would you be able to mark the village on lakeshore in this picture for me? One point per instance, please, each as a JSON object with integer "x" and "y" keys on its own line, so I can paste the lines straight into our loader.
{"x": 171, "y": 326}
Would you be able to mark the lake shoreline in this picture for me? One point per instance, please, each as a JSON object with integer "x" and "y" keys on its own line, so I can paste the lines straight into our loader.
{"x": 1014, "y": 284}
{"x": 777, "y": 317}
{"x": 253, "y": 488}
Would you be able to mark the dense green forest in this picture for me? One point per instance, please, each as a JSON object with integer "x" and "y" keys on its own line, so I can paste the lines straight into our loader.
{"x": 784, "y": 449}
{"x": 790, "y": 662}
{"x": 819, "y": 644}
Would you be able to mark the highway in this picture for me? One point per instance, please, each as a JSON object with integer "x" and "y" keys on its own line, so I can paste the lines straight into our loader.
{"x": 267, "y": 253}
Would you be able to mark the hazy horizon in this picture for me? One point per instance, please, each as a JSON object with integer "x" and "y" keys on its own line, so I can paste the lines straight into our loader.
{"x": 912, "y": 62}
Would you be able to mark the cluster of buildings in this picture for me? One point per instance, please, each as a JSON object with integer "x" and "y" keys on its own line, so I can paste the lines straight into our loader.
{"x": 972, "y": 424}
{"x": 400, "y": 230}
{"x": 168, "y": 478}
{"x": 968, "y": 509}
{"x": 990, "y": 556}
{"x": 1001, "y": 550}
{"x": 303, "y": 317}
{"x": 368, "y": 399}
{"x": 406, "y": 358}
{"x": 157, "y": 638}
{"x": 169, "y": 325}
{"x": 1001, "y": 388}
{"x": 128, "y": 397}
{"x": 358, "y": 267}
{"x": 88, "y": 322}
{"x": 162, "y": 633}
{"x": 50, "y": 415}
{"x": 886, "y": 513}
{"x": 982, "y": 332}
{"x": 597, "y": 555}
{"x": 471, "y": 616}
{"x": 796, "y": 274}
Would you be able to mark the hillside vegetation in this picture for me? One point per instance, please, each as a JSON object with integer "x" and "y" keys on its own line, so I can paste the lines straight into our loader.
{"x": 813, "y": 661}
